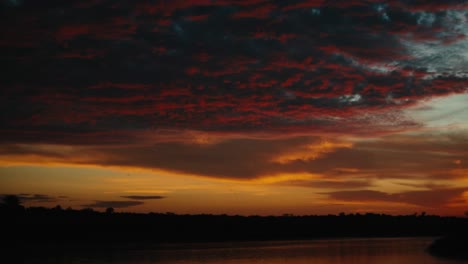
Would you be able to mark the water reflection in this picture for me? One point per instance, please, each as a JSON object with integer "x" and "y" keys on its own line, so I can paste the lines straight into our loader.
{"x": 352, "y": 251}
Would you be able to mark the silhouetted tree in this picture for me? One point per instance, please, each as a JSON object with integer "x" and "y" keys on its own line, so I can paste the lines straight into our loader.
{"x": 87, "y": 210}
{"x": 110, "y": 210}
{"x": 11, "y": 201}
{"x": 12, "y": 204}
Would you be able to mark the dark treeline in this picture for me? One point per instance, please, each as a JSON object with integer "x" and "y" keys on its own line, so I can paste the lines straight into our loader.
{"x": 38, "y": 225}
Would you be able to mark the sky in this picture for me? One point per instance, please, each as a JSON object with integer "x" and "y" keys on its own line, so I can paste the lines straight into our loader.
{"x": 248, "y": 107}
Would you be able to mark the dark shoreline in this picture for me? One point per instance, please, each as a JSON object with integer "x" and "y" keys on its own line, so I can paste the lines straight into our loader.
{"x": 450, "y": 247}
{"x": 42, "y": 226}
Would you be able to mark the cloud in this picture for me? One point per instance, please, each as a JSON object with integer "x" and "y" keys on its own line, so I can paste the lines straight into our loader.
{"x": 41, "y": 198}
{"x": 237, "y": 158}
{"x": 143, "y": 66}
{"x": 144, "y": 197}
{"x": 434, "y": 198}
{"x": 13, "y": 3}
{"x": 423, "y": 156}
{"x": 114, "y": 204}
{"x": 330, "y": 184}
{"x": 361, "y": 195}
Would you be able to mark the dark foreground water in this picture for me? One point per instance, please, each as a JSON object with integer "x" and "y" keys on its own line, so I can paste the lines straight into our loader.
{"x": 353, "y": 251}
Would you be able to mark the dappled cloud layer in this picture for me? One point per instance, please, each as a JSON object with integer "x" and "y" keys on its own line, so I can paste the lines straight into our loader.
{"x": 92, "y": 71}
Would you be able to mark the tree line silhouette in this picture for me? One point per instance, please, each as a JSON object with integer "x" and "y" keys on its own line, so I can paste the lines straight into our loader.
{"x": 39, "y": 226}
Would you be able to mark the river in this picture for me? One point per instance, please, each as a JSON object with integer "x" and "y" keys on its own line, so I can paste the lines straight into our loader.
{"x": 323, "y": 251}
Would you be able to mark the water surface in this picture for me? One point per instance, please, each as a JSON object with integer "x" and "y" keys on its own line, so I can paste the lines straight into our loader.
{"x": 327, "y": 251}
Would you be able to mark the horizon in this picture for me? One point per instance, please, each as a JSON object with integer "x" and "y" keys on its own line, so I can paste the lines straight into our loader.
{"x": 12, "y": 209}
{"x": 236, "y": 107}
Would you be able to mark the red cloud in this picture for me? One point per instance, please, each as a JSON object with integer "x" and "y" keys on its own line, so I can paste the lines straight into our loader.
{"x": 431, "y": 6}
{"x": 262, "y": 11}
{"x": 299, "y": 70}
{"x": 197, "y": 17}
{"x": 116, "y": 28}
{"x": 304, "y": 4}
{"x": 297, "y": 77}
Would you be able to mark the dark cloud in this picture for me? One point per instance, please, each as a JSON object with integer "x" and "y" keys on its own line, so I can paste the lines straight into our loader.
{"x": 114, "y": 204}
{"x": 94, "y": 72}
{"x": 346, "y": 163}
{"x": 389, "y": 157}
{"x": 237, "y": 158}
{"x": 329, "y": 184}
{"x": 361, "y": 195}
{"x": 25, "y": 197}
{"x": 434, "y": 198}
{"x": 144, "y": 197}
